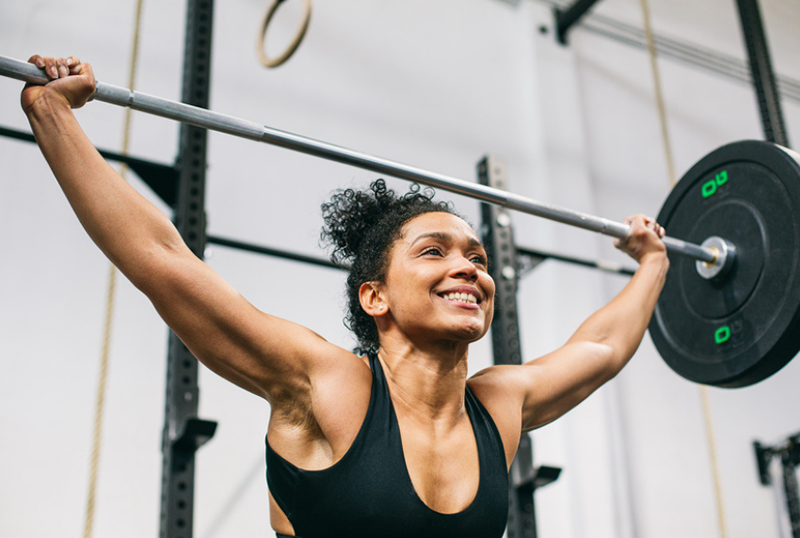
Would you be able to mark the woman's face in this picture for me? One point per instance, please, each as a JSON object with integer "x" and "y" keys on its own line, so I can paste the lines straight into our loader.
{"x": 437, "y": 285}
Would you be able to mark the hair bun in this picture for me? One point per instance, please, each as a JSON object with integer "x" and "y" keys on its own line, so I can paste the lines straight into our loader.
{"x": 352, "y": 214}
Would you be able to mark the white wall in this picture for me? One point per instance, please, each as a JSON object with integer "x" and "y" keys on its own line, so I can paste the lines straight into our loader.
{"x": 436, "y": 84}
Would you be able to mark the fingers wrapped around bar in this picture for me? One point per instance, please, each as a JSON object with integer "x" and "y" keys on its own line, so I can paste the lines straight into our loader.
{"x": 643, "y": 239}
{"x": 70, "y": 79}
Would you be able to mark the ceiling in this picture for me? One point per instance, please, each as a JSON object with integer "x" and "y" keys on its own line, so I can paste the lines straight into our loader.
{"x": 712, "y": 24}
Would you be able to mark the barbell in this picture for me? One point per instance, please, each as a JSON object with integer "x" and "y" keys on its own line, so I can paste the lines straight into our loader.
{"x": 730, "y": 310}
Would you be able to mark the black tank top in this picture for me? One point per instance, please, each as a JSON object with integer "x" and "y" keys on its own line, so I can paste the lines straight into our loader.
{"x": 368, "y": 493}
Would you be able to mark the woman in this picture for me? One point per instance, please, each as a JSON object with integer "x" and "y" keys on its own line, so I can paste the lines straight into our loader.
{"x": 396, "y": 442}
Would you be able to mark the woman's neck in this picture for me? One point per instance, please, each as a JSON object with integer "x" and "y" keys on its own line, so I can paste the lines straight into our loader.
{"x": 429, "y": 383}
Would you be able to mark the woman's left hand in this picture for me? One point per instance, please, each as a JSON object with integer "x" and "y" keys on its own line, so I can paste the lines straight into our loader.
{"x": 644, "y": 238}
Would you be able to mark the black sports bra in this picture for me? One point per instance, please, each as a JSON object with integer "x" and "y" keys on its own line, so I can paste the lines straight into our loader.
{"x": 368, "y": 493}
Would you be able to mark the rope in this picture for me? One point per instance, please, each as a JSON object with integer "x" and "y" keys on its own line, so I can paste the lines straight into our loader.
{"x": 88, "y": 525}
{"x": 706, "y": 404}
{"x": 98, "y": 411}
{"x": 662, "y": 113}
{"x": 712, "y": 451}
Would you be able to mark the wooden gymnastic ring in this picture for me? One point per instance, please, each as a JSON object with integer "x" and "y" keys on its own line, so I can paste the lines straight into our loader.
{"x": 298, "y": 38}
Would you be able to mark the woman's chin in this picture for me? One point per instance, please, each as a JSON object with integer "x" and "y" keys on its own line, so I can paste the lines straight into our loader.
{"x": 471, "y": 332}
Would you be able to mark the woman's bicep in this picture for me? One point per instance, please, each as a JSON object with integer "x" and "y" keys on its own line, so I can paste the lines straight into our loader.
{"x": 261, "y": 353}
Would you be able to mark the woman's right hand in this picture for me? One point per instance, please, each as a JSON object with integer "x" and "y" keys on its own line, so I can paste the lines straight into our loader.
{"x": 71, "y": 82}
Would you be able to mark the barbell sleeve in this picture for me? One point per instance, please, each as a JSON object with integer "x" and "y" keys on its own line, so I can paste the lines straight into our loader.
{"x": 223, "y": 123}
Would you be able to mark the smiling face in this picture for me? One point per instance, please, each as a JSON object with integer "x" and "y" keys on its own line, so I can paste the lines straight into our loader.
{"x": 436, "y": 286}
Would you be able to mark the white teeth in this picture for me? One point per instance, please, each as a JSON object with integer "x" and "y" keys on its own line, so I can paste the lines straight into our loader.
{"x": 462, "y": 297}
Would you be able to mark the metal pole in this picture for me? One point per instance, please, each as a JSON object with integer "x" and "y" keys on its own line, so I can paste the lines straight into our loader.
{"x": 789, "y": 463}
{"x": 567, "y": 18}
{"x": 278, "y": 253}
{"x": 184, "y": 432}
{"x": 246, "y": 129}
{"x": 498, "y": 236}
{"x": 769, "y": 102}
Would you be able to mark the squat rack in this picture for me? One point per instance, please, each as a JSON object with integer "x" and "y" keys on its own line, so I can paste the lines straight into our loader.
{"x": 182, "y": 186}
{"x": 184, "y": 432}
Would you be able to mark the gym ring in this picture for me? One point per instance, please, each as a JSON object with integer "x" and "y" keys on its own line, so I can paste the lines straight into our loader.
{"x": 298, "y": 37}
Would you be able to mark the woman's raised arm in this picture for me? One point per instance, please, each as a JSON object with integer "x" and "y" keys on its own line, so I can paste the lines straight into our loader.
{"x": 543, "y": 389}
{"x": 266, "y": 355}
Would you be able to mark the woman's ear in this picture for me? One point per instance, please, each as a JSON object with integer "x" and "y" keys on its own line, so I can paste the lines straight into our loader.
{"x": 372, "y": 300}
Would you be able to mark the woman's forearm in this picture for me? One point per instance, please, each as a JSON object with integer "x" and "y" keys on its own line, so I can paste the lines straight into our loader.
{"x": 126, "y": 227}
{"x": 621, "y": 324}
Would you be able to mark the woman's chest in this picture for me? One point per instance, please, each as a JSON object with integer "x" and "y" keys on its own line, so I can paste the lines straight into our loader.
{"x": 442, "y": 464}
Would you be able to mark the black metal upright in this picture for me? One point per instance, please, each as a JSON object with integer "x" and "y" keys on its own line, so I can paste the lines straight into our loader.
{"x": 567, "y": 18}
{"x": 788, "y": 452}
{"x": 184, "y": 432}
{"x": 790, "y": 459}
{"x": 498, "y": 238}
{"x": 769, "y": 102}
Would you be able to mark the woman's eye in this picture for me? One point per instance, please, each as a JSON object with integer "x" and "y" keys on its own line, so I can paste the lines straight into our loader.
{"x": 479, "y": 260}
{"x": 433, "y": 252}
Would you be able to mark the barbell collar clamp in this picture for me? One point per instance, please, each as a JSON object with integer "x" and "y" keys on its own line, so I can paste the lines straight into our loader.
{"x": 720, "y": 267}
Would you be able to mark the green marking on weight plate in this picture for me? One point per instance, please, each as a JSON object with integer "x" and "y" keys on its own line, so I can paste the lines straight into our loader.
{"x": 722, "y": 334}
{"x": 709, "y": 188}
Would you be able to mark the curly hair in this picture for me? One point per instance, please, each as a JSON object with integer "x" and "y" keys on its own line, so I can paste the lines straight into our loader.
{"x": 362, "y": 225}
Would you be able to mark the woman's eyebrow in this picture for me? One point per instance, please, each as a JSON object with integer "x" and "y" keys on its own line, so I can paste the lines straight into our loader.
{"x": 442, "y": 236}
{"x": 446, "y": 237}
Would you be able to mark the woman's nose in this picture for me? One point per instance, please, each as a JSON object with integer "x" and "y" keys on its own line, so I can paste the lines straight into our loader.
{"x": 465, "y": 269}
